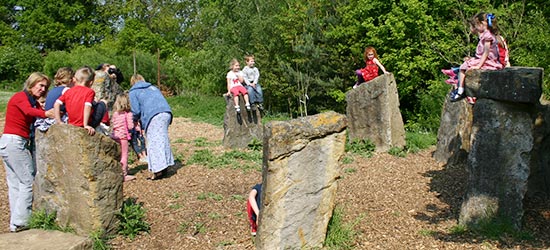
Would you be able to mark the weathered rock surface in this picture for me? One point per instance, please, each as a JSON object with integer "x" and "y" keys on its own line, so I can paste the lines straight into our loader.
{"x": 495, "y": 140}
{"x": 80, "y": 177}
{"x": 373, "y": 113}
{"x": 300, "y": 173}
{"x": 241, "y": 129}
{"x": 35, "y": 239}
{"x": 498, "y": 163}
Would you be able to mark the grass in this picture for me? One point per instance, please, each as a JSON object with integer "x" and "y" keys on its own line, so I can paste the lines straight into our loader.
{"x": 340, "y": 235}
{"x": 4, "y": 98}
{"x": 132, "y": 219}
{"x": 46, "y": 221}
{"x": 237, "y": 159}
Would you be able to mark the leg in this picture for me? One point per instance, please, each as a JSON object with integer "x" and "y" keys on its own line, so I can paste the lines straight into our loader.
{"x": 259, "y": 93}
{"x": 99, "y": 110}
{"x": 251, "y": 93}
{"x": 160, "y": 155}
{"x": 251, "y": 218}
{"x": 124, "y": 160}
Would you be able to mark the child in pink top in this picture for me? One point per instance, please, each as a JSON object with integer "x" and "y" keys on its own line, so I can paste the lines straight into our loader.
{"x": 121, "y": 124}
{"x": 486, "y": 56}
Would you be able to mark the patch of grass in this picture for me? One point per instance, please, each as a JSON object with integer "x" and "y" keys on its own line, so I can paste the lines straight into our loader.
{"x": 132, "y": 219}
{"x": 458, "y": 230}
{"x": 201, "y": 142}
{"x": 46, "y": 221}
{"x": 244, "y": 160}
{"x": 183, "y": 227}
{"x": 498, "y": 228}
{"x": 417, "y": 141}
{"x": 255, "y": 145}
{"x": 4, "y": 98}
{"x": 347, "y": 160}
{"x": 99, "y": 240}
{"x": 179, "y": 140}
{"x": 340, "y": 235}
{"x": 201, "y": 108}
{"x": 210, "y": 195}
{"x": 426, "y": 232}
{"x": 199, "y": 227}
{"x": 238, "y": 197}
{"x": 225, "y": 243}
{"x": 214, "y": 216}
{"x": 363, "y": 147}
{"x": 201, "y": 157}
{"x": 175, "y": 206}
{"x": 350, "y": 170}
{"x": 397, "y": 151}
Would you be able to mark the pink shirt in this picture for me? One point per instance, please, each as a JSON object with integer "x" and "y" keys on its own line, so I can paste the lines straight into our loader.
{"x": 121, "y": 122}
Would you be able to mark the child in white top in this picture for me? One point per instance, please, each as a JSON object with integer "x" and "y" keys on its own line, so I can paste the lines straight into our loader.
{"x": 234, "y": 84}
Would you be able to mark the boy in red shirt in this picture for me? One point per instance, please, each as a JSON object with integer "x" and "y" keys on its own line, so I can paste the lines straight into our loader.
{"x": 79, "y": 102}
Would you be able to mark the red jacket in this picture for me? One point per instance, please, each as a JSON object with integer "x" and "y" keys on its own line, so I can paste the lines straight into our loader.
{"x": 20, "y": 115}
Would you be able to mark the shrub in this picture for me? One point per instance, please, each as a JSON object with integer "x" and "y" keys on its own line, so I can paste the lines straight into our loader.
{"x": 363, "y": 147}
{"x": 132, "y": 218}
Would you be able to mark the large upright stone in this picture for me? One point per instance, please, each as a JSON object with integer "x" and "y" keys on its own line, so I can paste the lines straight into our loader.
{"x": 453, "y": 136}
{"x": 241, "y": 129}
{"x": 502, "y": 136}
{"x": 80, "y": 177}
{"x": 300, "y": 173}
{"x": 373, "y": 113}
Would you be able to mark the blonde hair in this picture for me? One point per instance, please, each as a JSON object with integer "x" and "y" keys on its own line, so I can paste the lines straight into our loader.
{"x": 122, "y": 103}
{"x": 63, "y": 76}
{"x": 232, "y": 63}
{"x": 85, "y": 75}
{"x": 136, "y": 78}
{"x": 34, "y": 78}
{"x": 248, "y": 58}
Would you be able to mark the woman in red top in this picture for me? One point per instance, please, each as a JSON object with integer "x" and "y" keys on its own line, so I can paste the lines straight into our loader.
{"x": 21, "y": 111}
{"x": 370, "y": 71}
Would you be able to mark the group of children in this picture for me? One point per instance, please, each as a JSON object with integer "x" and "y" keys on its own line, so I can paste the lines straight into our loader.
{"x": 74, "y": 102}
{"x": 246, "y": 83}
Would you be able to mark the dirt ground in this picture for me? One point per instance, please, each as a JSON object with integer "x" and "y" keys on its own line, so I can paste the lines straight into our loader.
{"x": 393, "y": 202}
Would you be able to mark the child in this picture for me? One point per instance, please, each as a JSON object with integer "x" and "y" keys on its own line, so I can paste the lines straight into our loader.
{"x": 251, "y": 77}
{"x": 122, "y": 122}
{"x": 138, "y": 142}
{"x": 63, "y": 81}
{"x": 370, "y": 71}
{"x": 82, "y": 111}
{"x": 253, "y": 207}
{"x": 486, "y": 56}
{"x": 234, "y": 84}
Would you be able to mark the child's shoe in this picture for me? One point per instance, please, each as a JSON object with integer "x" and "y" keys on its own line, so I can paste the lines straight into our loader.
{"x": 248, "y": 107}
{"x": 253, "y": 232}
{"x": 260, "y": 106}
{"x": 451, "y": 81}
{"x": 356, "y": 85}
{"x": 471, "y": 100}
{"x": 455, "y": 97}
{"x": 449, "y": 72}
{"x": 237, "y": 109}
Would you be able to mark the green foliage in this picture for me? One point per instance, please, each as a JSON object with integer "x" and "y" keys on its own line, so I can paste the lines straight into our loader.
{"x": 417, "y": 141}
{"x": 363, "y": 147}
{"x": 203, "y": 108}
{"x": 458, "y": 229}
{"x": 339, "y": 235}
{"x": 210, "y": 195}
{"x": 99, "y": 240}
{"x": 132, "y": 219}
{"x": 244, "y": 160}
{"x": 4, "y": 98}
{"x": 16, "y": 64}
{"x": 44, "y": 220}
{"x": 397, "y": 151}
{"x": 498, "y": 228}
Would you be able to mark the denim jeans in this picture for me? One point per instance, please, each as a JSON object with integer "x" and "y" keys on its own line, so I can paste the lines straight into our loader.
{"x": 20, "y": 173}
{"x": 255, "y": 95}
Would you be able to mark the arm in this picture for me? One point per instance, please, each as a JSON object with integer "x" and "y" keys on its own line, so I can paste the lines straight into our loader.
{"x": 380, "y": 66}
{"x": 486, "y": 49}
{"x": 57, "y": 111}
{"x": 256, "y": 75}
{"x": 248, "y": 82}
{"x": 23, "y": 103}
{"x": 129, "y": 120}
{"x": 87, "y": 112}
{"x": 253, "y": 204}
{"x": 228, "y": 86}
{"x": 134, "y": 105}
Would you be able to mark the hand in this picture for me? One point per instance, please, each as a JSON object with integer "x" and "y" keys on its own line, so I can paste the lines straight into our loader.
{"x": 475, "y": 67}
{"x": 50, "y": 113}
{"x": 91, "y": 131}
{"x": 387, "y": 73}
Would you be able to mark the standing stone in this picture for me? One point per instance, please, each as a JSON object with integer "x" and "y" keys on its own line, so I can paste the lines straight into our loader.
{"x": 241, "y": 129}
{"x": 300, "y": 173}
{"x": 453, "y": 136}
{"x": 80, "y": 177}
{"x": 503, "y": 143}
{"x": 373, "y": 113}
{"x": 498, "y": 164}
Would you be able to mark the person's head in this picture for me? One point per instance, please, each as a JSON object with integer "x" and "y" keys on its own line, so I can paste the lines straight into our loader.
{"x": 234, "y": 65}
{"x": 484, "y": 21}
{"x": 64, "y": 76}
{"x": 37, "y": 84}
{"x": 103, "y": 67}
{"x": 84, "y": 76}
{"x": 249, "y": 59}
{"x": 122, "y": 103}
{"x": 370, "y": 53}
{"x": 136, "y": 78}
{"x": 42, "y": 101}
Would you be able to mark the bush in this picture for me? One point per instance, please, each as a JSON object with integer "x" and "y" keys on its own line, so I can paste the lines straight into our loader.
{"x": 132, "y": 219}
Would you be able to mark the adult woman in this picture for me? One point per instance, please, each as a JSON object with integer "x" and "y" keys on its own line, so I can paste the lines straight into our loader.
{"x": 21, "y": 112}
{"x": 149, "y": 105}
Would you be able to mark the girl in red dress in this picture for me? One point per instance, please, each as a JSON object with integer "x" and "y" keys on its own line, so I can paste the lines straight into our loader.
{"x": 370, "y": 71}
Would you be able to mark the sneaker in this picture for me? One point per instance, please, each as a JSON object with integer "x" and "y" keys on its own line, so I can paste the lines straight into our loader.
{"x": 260, "y": 106}
{"x": 237, "y": 109}
{"x": 17, "y": 228}
{"x": 457, "y": 97}
{"x": 449, "y": 72}
{"x": 253, "y": 231}
{"x": 143, "y": 159}
{"x": 248, "y": 107}
{"x": 471, "y": 100}
{"x": 355, "y": 86}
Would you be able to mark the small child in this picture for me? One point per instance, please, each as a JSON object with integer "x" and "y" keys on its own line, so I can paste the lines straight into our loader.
{"x": 251, "y": 78}
{"x": 370, "y": 71}
{"x": 122, "y": 122}
{"x": 82, "y": 111}
{"x": 138, "y": 142}
{"x": 234, "y": 84}
{"x": 253, "y": 207}
{"x": 486, "y": 56}
{"x": 63, "y": 81}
